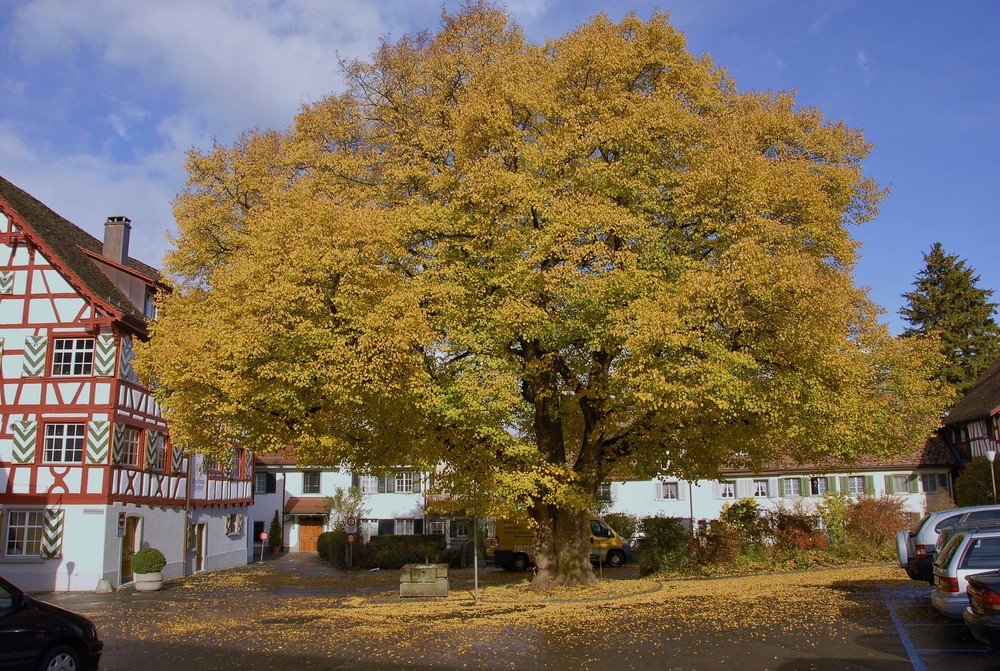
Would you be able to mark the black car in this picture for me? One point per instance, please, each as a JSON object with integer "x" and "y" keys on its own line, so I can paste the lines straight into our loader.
{"x": 38, "y": 635}
{"x": 983, "y": 613}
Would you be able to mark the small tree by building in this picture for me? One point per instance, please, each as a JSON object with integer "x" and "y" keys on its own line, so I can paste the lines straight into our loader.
{"x": 973, "y": 487}
{"x": 274, "y": 536}
{"x": 343, "y": 504}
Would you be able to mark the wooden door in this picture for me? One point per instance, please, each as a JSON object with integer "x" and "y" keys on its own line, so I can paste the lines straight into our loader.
{"x": 309, "y": 531}
{"x": 199, "y": 547}
{"x": 128, "y": 548}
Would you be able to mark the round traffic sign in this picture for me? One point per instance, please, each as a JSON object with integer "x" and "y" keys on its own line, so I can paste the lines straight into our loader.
{"x": 352, "y": 521}
{"x": 350, "y": 538}
{"x": 263, "y": 535}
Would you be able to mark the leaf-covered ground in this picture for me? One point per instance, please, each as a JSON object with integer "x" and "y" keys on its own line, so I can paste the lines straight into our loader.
{"x": 309, "y": 616}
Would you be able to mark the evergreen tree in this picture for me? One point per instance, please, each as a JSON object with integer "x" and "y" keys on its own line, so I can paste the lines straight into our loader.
{"x": 947, "y": 303}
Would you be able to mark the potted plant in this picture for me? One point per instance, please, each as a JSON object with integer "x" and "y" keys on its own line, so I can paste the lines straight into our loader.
{"x": 147, "y": 567}
{"x": 274, "y": 535}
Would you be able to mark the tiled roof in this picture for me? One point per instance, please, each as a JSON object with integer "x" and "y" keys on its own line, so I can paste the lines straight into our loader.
{"x": 982, "y": 399}
{"x": 306, "y": 506}
{"x": 69, "y": 244}
{"x": 933, "y": 452}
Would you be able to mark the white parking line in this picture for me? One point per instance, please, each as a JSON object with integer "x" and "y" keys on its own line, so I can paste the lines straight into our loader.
{"x": 911, "y": 650}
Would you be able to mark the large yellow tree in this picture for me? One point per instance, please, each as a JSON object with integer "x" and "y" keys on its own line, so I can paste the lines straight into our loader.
{"x": 544, "y": 266}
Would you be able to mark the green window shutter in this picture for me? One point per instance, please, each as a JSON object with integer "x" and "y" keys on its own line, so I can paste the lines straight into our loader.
{"x": 845, "y": 485}
{"x": 888, "y": 485}
{"x": 118, "y": 449}
{"x": 870, "y": 485}
{"x": 25, "y": 436}
{"x": 355, "y": 480}
{"x": 805, "y": 485}
{"x": 781, "y": 487}
{"x": 52, "y": 534}
{"x": 831, "y": 485}
{"x": 914, "y": 483}
{"x": 98, "y": 442}
{"x": 104, "y": 355}
{"x": 34, "y": 356}
{"x": 6, "y": 281}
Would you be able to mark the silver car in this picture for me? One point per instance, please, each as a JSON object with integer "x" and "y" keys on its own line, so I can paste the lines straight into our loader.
{"x": 966, "y": 554}
{"x": 916, "y": 548}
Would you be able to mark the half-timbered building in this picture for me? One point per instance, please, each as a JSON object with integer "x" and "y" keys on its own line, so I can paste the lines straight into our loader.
{"x": 88, "y": 473}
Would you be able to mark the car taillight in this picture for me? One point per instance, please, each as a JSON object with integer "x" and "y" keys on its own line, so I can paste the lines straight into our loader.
{"x": 924, "y": 551}
{"x": 987, "y": 599}
{"x": 946, "y": 584}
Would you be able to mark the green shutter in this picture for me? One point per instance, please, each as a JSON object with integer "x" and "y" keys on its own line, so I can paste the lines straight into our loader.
{"x": 52, "y": 534}
{"x": 24, "y": 441}
{"x": 781, "y": 487}
{"x": 845, "y": 484}
{"x": 104, "y": 355}
{"x": 6, "y": 281}
{"x": 831, "y": 485}
{"x": 98, "y": 442}
{"x": 888, "y": 485}
{"x": 805, "y": 485}
{"x": 914, "y": 483}
{"x": 34, "y": 356}
{"x": 870, "y": 485}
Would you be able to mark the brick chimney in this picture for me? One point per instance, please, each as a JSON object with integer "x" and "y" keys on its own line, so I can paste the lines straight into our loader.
{"x": 116, "y": 232}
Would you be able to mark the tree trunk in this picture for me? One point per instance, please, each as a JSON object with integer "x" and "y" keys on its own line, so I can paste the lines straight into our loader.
{"x": 562, "y": 548}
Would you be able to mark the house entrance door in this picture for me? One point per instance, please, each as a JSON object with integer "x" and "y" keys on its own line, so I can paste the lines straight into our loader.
{"x": 128, "y": 548}
{"x": 309, "y": 530}
{"x": 199, "y": 547}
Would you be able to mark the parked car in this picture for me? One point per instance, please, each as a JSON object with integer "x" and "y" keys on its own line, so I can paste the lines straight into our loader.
{"x": 968, "y": 553}
{"x": 983, "y": 613}
{"x": 37, "y": 635}
{"x": 916, "y": 547}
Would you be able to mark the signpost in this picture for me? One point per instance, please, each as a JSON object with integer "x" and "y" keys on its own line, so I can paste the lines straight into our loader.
{"x": 351, "y": 527}
{"x": 263, "y": 542}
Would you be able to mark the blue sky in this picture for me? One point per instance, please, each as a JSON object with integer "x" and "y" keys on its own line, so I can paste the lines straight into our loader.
{"x": 102, "y": 98}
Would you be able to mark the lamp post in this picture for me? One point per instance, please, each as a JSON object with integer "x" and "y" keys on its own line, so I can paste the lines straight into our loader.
{"x": 991, "y": 456}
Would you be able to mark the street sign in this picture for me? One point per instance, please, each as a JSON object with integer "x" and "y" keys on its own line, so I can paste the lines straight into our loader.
{"x": 351, "y": 524}
{"x": 121, "y": 525}
{"x": 351, "y": 538}
{"x": 263, "y": 536}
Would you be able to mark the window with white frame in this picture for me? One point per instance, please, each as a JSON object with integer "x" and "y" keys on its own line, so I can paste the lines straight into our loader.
{"x": 260, "y": 483}
{"x": 159, "y": 457}
{"x": 792, "y": 487}
{"x": 404, "y": 482}
{"x": 668, "y": 491}
{"x": 404, "y": 528}
{"x": 72, "y": 356}
{"x": 23, "y": 533}
{"x": 131, "y": 444}
{"x": 727, "y": 490}
{"x": 900, "y": 483}
{"x": 234, "y": 525}
{"x": 856, "y": 485}
{"x": 64, "y": 443}
{"x": 310, "y": 482}
{"x": 760, "y": 489}
{"x": 436, "y": 527}
{"x": 934, "y": 482}
{"x": 368, "y": 484}
{"x": 461, "y": 528}
{"x": 819, "y": 486}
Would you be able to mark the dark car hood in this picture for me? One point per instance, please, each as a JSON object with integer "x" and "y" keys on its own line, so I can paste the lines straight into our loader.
{"x": 78, "y": 622}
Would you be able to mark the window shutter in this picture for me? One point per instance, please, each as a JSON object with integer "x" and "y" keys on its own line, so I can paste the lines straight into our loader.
{"x": 845, "y": 484}
{"x": 683, "y": 490}
{"x": 105, "y": 353}
{"x": 6, "y": 281}
{"x": 355, "y": 480}
{"x": 831, "y": 485}
{"x": 390, "y": 484}
{"x": 386, "y": 527}
{"x": 614, "y": 491}
{"x": 416, "y": 483}
{"x": 52, "y": 534}
{"x": 913, "y": 483}
{"x": 870, "y": 485}
{"x": 888, "y": 485}
{"x": 98, "y": 442}
{"x": 418, "y": 526}
{"x": 381, "y": 486}
{"x": 781, "y": 487}
{"x": 34, "y": 356}
{"x": 716, "y": 489}
{"x": 743, "y": 488}
{"x": 271, "y": 485}
{"x": 25, "y": 434}
{"x": 805, "y": 487}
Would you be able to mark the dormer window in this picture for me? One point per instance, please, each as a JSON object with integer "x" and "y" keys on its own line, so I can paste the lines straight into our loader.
{"x": 73, "y": 357}
{"x": 149, "y": 305}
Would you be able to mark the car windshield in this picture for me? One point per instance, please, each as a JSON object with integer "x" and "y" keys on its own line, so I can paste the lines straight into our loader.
{"x": 944, "y": 558}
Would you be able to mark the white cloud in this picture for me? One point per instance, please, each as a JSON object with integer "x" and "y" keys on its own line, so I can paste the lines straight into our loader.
{"x": 863, "y": 65}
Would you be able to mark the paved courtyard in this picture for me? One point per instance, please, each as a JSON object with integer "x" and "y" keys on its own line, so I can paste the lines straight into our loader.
{"x": 297, "y": 613}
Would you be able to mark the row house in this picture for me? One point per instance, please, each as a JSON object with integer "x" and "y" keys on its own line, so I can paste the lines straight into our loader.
{"x": 922, "y": 478}
{"x": 88, "y": 472}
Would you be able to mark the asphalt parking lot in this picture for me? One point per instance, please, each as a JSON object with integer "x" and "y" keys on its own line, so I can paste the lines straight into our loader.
{"x": 296, "y": 613}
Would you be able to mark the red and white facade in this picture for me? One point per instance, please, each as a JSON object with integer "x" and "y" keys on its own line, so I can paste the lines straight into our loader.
{"x": 88, "y": 473}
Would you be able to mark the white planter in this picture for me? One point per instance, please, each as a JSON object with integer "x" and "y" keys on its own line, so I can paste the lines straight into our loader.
{"x": 148, "y": 582}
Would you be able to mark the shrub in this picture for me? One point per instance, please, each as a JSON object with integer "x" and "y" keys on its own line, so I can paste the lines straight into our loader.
{"x": 974, "y": 486}
{"x": 833, "y": 511}
{"x": 626, "y": 525}
{"x": 873, "y": 522}
{"x": 332, "y": 546}
{"x": 793, "y": 529}
{"x": 274, "y": 538}
{"x": 716, "y": 542}
{"x": 745, "y": 520}
{"x": 665, "y": 545}
{"x": 394, "y": 551}
{"x": 148, "y": 560}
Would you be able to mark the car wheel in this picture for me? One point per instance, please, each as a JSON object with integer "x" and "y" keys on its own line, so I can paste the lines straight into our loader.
{"x": 519, "y": 562}
{"x": 60, "y": 658}
{"x": 615, "y": 559}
